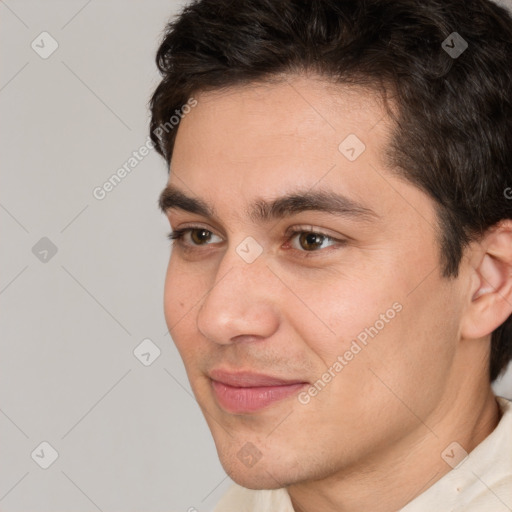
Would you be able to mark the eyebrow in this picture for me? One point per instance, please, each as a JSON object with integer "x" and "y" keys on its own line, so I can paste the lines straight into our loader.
{"x": 263, "y": 210}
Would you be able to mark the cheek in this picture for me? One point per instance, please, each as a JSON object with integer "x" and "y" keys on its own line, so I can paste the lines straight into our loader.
{"x": 339, "y": 309}
{"x": 174, "y": 302}
{"x": 374, "y": 322}
{"x": 181, "y": 293}
{"x": 409, "y": 361}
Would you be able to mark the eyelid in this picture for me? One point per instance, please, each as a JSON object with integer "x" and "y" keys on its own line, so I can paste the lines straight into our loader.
{"x": 187, "y": 226}
{"x": 292, "y": 230}
{"x": 177, "y": 236}
{"x": 308, "y": 228}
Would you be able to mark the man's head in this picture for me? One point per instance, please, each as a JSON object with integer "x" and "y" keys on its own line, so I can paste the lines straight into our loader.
{"x": 374, "y": 128}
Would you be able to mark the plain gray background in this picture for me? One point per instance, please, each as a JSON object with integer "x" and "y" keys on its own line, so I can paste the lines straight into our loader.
{"x": 129, "y": 437}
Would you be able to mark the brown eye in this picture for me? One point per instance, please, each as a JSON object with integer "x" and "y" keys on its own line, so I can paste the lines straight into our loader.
{"x": 200, "y": 236}
{"x": 311, "y": 241}
{"x": 188, "y": 238}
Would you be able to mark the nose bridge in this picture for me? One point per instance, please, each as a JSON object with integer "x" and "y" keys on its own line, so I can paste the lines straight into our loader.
{"x": 240, "y": 301}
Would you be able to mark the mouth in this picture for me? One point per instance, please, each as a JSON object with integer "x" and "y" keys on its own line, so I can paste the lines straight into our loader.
{"x": 245, "y": 392}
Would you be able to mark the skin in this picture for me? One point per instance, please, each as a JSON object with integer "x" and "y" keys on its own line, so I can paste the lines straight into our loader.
{"x": 372, "y": 438}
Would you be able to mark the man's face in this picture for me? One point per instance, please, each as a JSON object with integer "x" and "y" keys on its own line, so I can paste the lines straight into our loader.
{"x": 360, "y": 299}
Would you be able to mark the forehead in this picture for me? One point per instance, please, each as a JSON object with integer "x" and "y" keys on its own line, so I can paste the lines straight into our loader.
{"x": 264, "y": 140}
{"x": 298, "y": 112}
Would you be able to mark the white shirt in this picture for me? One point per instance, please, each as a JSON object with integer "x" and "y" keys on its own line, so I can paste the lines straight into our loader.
{"x": 480, "y": 483}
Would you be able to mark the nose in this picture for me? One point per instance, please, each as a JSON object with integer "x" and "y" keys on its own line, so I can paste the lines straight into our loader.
{"x": 241, "y": 305}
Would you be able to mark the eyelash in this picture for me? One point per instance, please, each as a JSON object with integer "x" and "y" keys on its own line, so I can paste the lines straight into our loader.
{"x": 176, "y": 236}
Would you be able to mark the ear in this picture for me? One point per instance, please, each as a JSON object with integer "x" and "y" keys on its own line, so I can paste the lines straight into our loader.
{"x": 491, "y": 293}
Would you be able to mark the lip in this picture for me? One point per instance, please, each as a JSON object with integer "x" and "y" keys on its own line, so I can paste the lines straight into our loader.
{"x": 247, "y": 379}
{"x": 243, "y": 392}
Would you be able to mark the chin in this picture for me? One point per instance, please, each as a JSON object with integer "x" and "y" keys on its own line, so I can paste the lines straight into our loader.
{"x": 271, "y": 471}
{"x": 256, "y": 479}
